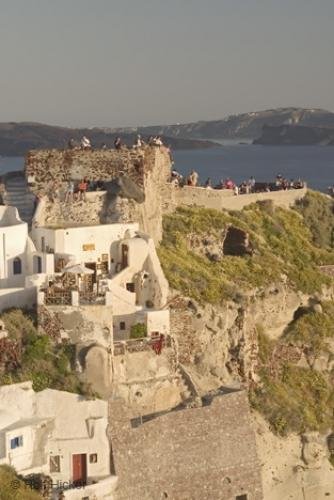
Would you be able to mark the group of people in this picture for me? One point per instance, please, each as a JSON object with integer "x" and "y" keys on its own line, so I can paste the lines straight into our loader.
{"x": 246, "y": 187}
{"x": 86, "y": 145}
{"x": 76, "y": 191}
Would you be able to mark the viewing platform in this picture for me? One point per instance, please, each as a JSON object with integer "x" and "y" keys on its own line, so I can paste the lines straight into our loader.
{"x": 225, "y": 199}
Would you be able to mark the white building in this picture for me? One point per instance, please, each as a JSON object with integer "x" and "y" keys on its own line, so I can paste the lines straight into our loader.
{"x": 59, "y": 434}
{"x": 124, "y": 274}
{"x": 16, "y": 260}
{"x": 16, "y": 248}
{"x": 125, "y": 270}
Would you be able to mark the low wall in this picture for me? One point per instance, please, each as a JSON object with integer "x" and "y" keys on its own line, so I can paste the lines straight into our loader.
{"x": 102, "y": 489}
{"x": 224, "y": 199}
{"x": 82, "y": 324}
{"x": 18, "y": 297}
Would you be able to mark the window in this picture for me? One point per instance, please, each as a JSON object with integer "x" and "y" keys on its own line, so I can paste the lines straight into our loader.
{"x": 122, "y": 325}
{"x": 241, "y": 497}
{"x": 55, "y": 463}
{"x": 88, "y": 247}
{"x": 93, "y": 458}
{"x": 38, "y": 264}
{"x": 16, "y": 442}
{"x": 130, "y": 287}
{"x": 17, "y": 266}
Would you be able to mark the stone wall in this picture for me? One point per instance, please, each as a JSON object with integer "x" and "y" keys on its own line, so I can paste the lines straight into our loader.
{"x": 224, "y": 199}
{"x": 54, "y": 165}
{"x": 202, "y": 453}
{"x": 48, "y": 172}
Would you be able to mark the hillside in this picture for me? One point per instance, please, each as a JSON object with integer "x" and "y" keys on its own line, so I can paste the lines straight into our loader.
{"x": 285, "y": 135}
{"x": 18, "y": 138}
{"x": 242, "y": 126}
{"x": 262, "y": 319}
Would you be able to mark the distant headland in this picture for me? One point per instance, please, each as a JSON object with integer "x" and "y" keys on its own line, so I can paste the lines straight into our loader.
{"x": 281, "y": 126}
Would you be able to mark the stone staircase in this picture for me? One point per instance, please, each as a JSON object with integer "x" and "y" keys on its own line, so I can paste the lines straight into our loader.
{"x": 17, "y": 194}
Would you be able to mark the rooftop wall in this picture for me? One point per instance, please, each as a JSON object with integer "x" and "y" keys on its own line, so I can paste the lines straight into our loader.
{"x": 48, "y": 172}
{"x": 207, "y": 452}
{"x": 224, "y": 199}
{"x": 56, "y": 166}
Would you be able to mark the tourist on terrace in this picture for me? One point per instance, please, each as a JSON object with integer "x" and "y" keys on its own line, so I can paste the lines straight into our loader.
{"x": 82, "y": 189}
{"x": 157, "y": 141}
{"x": 192, "y": 179}
{"x": 208, "y": 183}
{"x": 138, "y": 142}
{"x": 251, "y": 184}
{"x": 85, "y": 143}
{"x": 69, "y": 192}
{"x": 118, "y": 143}
{"x": 236, "y": 190}
{"x": 229, "y": 184}
{"x": 279, "y": 180}
{"x": 71, "y": 143}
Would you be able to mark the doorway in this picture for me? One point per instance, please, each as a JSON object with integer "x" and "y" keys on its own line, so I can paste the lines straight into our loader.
{"x": 37, "y": 264}
{"x": 125, "y": 253}
{"x": 89, "y": 279}
{"x": 79, "y": 463}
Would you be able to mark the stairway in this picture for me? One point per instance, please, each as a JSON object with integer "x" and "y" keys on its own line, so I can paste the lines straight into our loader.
{"x": 17, "y": 194}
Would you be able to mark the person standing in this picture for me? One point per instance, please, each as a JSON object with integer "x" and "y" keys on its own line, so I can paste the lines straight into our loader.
{"x": 118, "y": 143}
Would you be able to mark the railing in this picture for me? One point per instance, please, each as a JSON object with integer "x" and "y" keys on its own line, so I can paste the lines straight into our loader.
{"x": 58, "y": 297}
{"x": 144, "y": 344}
{"x": 91, "y": 298}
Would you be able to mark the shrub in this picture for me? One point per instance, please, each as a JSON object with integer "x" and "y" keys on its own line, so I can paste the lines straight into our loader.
{"x": 317, "y": 212}
{"x": 282, "y": 242}
{"x": 292, "y": 398}
{"x": 45, "y": 363}
{"x": 13, "y": 488}
{"x": 299, "y": 399}
{"x": 138, "y": 331}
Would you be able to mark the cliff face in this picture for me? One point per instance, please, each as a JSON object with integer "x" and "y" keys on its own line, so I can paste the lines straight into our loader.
{"x": 271, "y": 333}
{"x": 243, "y": 126}
{"x": 285, "y": 135}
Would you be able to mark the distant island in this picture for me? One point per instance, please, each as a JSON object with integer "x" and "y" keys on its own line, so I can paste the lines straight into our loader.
{"x": 280, "y": 126}
{"x": 246, "y": 126}
{"x": 286, "y": 135}
{"x": 18, "y": 138}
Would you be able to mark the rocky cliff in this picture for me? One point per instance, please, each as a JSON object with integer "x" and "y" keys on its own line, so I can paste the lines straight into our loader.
{"x": 261, "y": 317}
{"x": 243, "y": 126}
{"x": 287, "y": 135}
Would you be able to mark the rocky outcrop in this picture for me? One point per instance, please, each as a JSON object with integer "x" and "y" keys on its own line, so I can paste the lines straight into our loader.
{"x": 293, "y": 467}
{"x": 219, "y": 344}
{"x": 236, "y": 242}
{"x": 135, "y": 183}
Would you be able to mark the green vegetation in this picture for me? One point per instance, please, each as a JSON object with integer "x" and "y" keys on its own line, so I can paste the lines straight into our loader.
{"x": 13, "y": 488}
{"x": 312, "y": 330}
{"x": 292, "y": 398}
{"x": 41, "y": 360}
{"x": 282, "y": 241}
{"x": 138, "y": 331}
{"x": 317, "y": 212}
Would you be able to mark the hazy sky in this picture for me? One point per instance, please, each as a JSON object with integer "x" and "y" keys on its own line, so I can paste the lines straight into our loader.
{"x": 137, "y": 62}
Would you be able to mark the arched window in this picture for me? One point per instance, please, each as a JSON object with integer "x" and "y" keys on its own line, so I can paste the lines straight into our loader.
{"x": 17, "y": 266}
